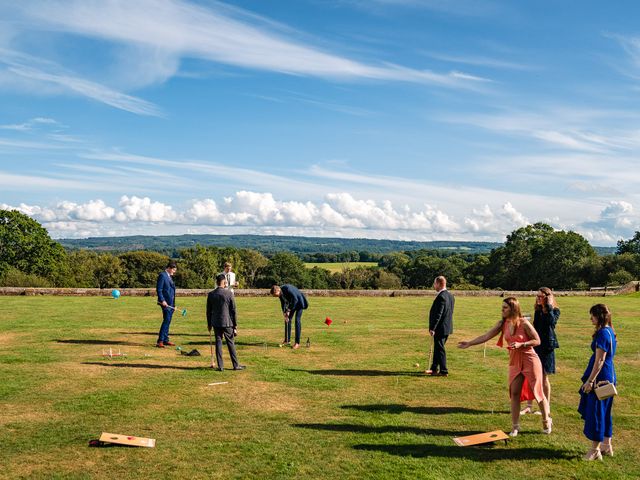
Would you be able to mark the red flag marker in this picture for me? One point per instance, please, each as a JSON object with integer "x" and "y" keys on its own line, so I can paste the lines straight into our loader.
{"x": 328, "y": 321}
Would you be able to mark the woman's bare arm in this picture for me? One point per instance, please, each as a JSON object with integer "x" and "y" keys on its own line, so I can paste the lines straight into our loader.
{"x": 493, "y": 331}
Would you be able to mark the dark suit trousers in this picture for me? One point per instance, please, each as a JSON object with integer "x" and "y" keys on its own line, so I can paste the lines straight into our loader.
{"x": 439, "y": 354}
{"x": 163, "y": 335}
{"x": 287, "y": 326}
{"x": 227, "y": 333}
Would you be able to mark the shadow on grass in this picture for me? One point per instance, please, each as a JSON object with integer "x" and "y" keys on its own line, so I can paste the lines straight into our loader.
{"x": 145, "y": 365}
{"x": 361, "y": 373}
{"x": 155, "y": 334}
{"x": 354, "y": 428}
{"x": 400, "y": 408}
{"x": 103, "y": 342}
{"x": 478, "y": 454}
{"x": 242, "y": 343}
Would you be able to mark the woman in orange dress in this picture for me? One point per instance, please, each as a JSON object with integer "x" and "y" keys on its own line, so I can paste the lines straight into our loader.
{"x": 521, "y": 337}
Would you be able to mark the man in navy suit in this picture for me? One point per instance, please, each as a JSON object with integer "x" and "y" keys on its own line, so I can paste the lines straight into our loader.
{"x": 166, "y": 299}
{"x": 440, "y": 326}
{"x": 292, "y": 302}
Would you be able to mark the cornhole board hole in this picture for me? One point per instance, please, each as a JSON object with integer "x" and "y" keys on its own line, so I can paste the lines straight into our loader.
{"x": 480, "y": 438}
{"x": 127, "y": 440}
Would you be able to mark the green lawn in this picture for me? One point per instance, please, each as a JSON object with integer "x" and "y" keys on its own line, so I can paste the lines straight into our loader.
{"x": 340, "y": 266}
{"x": 353, "y": 405}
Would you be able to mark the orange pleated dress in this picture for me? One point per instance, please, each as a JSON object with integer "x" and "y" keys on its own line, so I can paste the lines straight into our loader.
{"x": 523, "y": 361}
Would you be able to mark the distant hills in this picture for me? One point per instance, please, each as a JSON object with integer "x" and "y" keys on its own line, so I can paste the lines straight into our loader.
{"x": 268, "y": 244}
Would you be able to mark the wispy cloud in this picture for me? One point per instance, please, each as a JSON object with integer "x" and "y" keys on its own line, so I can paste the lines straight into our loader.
{"x": 30, "y": 124}
{"x": 595, "y": 131}
{"x": 46, "y": 76}
{"x": 479, "y": 61}
{"x": 89, "y": 89}
{"x": 477, "y": 8}
{"x": 220, "y": 34}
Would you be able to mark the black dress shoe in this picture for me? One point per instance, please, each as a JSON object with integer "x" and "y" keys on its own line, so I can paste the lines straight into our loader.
{"x": 220, "y": 369}
{"x": 239, "y": 367}
{"x": 443, "y": 374}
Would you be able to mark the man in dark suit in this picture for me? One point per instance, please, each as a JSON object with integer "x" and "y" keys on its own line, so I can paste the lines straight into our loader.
{"x": 166, "y": 290}
{"x": 221, "y": 316}
{"x": 293, "y": 302}
{"x": 440, "y": 326}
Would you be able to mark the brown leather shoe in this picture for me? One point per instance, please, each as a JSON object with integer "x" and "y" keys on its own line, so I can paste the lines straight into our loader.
{"x": 160, "y": 345}
{"x": 169, "y": 344}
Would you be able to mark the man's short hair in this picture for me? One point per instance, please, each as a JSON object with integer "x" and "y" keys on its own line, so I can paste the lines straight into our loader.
{"x": 220, "y": 278}
{"x": 172, "y": 264}
{"x": 275, "y": 289}
{"x": 227, "y": 264}
{"x": 440, "y": 280}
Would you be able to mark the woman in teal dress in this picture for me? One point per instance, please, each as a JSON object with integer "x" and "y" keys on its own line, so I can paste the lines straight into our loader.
{"x": 598, "y": 425}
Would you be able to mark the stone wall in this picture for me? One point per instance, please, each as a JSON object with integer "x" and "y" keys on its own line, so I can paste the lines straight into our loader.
{"x": 150, "y": 292}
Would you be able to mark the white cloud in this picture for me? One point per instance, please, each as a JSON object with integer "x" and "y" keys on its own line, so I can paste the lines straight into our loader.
{"x": 617, "y": 219}
{"x": 87, "y": 88}
{"x": 217, "y": 33}
{"x": 579, "y": 130}
{"x": 144, "y": 210}
{"x": 340, "y": 214}
{"x": 246, "y": 209}
{"x": 485, "y": 222}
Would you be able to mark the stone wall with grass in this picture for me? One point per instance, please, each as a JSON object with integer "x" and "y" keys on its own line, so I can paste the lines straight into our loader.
{"x": 150, "y": 292}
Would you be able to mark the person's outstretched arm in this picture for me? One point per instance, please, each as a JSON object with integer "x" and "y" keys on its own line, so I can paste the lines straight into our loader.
{"x": 492, "y": 332}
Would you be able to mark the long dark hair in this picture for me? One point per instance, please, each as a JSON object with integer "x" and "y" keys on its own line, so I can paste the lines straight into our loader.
{"x": 603, "y": 315}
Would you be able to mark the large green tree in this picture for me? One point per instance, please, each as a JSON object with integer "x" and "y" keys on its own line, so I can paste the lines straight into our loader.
{"x": 251, "y": 263}
{"x": 284, "y": 268}
{"x": 629, "y": 246}
{"x": 536, "y": 256}
{"x": 26, "y": 246}
{"x": 423, "y": 270}
{"x": 141, "y": 268}
{"x": 198, "y": 267}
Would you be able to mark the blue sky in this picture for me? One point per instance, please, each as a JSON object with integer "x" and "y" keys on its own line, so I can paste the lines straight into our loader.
{"x": 403, "y": 119}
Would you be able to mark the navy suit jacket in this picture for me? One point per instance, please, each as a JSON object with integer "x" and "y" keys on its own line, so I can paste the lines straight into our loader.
{"x": 292, "y": 299}
{"x": 441, "y": 314}
{"x": 166, "y": 289}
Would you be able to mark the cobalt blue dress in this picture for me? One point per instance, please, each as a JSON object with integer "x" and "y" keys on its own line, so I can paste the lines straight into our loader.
{"x": 597, "y": 413}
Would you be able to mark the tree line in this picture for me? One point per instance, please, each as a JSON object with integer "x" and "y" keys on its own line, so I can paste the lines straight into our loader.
{"x": 532, "y": 256}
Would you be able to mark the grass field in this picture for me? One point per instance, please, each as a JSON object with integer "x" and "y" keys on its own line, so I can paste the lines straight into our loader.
{"x": 353, "y": 405}
{"x": 340, "y": 266}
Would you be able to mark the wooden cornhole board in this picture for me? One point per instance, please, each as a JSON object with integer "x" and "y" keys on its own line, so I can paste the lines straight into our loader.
{"x": 480, "y": 438}
{"x": 127, "y": 440}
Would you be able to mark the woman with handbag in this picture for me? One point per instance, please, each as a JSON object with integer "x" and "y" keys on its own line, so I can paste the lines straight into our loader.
{"x": 521, "y": 337}
{"x": 598, "y": 426}
{"x": 545, "y": 319}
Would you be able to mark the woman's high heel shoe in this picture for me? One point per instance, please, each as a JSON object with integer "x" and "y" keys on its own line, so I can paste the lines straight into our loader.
{"x": 593, "y": 454}
{"x": 546, "y": 426}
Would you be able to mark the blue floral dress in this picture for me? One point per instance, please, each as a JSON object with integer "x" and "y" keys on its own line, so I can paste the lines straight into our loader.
{"x": 597, "y": 413}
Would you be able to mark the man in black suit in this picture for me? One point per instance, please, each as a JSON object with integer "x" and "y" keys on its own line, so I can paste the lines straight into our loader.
{"x": 221, "y": 316}
{"x": 440, "y": 326}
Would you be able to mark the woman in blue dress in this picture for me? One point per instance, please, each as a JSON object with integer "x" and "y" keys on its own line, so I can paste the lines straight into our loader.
{"x": 598, "y": 426}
